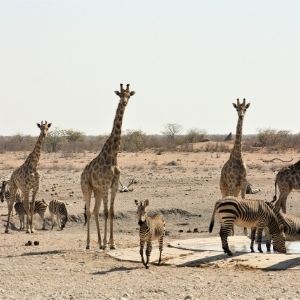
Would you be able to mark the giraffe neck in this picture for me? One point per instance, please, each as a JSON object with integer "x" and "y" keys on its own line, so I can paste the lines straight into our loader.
{"x": 34, "y": 157}
{"x": 112, "y": 145}
{"x": 237, "y": 148}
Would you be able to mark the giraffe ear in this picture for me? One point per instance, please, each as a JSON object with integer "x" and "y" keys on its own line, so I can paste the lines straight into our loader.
{"x": 234, "y": 105}
{"x": 136, "y": 202}
{"x": 247, "y": 105}
{"x": 146, "y": 203}
{"x": 38, "y": 125}
{"x": 132, "y": 93}
{"x": 118, "y": 93}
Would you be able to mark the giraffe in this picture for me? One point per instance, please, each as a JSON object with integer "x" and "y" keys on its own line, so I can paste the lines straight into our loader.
{"x": 233, "y": 175}
{"x": 102, "y": 174}
{"x": 26, "y": 178}
{"x": 287, "y": 179}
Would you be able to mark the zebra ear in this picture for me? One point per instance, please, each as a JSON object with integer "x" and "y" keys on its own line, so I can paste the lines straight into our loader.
{"x": 136, "y": 202}
{"x": 281, "y": 228}
{"x": 146, "y": 203}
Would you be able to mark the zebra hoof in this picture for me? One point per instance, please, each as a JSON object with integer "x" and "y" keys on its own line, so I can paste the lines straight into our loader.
{"x": 229, "y": 253}
{"x": 87, "y": 247}
{"x": 252, "y": 251}
{"x": 147, "y": 267}
{"x": 112, "y": 247}
{"x": 103, "y": 247}
{"x": 6, "y": 231}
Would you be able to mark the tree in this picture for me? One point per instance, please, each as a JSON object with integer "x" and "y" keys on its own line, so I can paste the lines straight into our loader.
{"x": 55, "y": 139}
{"x": 73, "y": 135}
{"x": 195, "y": 135}
{"x": 171, "y": 130}
{"x": 134, "y": 140}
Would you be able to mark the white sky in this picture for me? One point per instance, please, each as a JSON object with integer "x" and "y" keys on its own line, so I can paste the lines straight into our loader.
{"x": 61, "y": 60}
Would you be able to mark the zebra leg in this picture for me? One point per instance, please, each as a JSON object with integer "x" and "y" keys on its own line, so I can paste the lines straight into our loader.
{"x": 42, "y": 216}
{"x": 58, "y": 221}
{"x": 268, "y": 239}
{"x": 160, "y": 247}
{"x": 52, "y": 220}
{"x": 142, "y": 243}
{"x": 148, "y": 252}
{"x": 259, "y": 237}
{"x": 21, "y": 217}
{"x": 253, "y": 232}
{"x": 10, "y": 203}
{"x": 224, "y": 232}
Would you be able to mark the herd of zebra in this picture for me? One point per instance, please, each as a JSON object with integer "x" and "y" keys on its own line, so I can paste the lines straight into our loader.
{"x": 56, "y": 208}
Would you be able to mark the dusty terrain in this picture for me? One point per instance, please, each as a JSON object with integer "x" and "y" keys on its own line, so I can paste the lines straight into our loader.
{"x": 184, "y": 186}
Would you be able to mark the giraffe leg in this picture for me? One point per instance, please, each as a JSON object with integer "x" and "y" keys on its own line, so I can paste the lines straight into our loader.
{"x": 87, "y": 194}
{"x": 105, "y": 213}
{"x": 114, "y": 189}
{"x": 243, "y": 188}
{"x": 27, "y": 209}
{"x": 98, "y": 199}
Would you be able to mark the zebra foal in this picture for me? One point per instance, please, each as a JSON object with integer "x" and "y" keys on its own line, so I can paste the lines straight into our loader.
{"x": 152, "y": 227}
{"x": 39, "y": 208}
{"x": 59, "y": 209}
{"x": 250, "y": 214}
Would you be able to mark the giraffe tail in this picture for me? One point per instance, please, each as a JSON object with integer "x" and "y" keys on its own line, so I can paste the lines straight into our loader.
{"x": 275, "y": 196}
{"x": 85, "y": 216}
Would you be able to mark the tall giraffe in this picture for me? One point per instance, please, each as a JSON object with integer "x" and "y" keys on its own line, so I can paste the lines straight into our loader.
{"x": 287, "y": 179}
{"x": 102, "y": 174}
{"x": 233, "y": 175}
{"x": 26, "y": 178}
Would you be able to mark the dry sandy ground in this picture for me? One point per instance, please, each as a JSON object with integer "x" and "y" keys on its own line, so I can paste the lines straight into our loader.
{"x": 183, "y": 185}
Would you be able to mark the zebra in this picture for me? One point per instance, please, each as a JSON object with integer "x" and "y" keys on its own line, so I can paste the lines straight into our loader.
{"x": 290, "y": 222}
{"x": 59, "y": 209}
{"x": 5, "y": 194}
{"x": 152, "y": 227}
{"x": 247, "y": 213}
{"x": 39, "y": 208}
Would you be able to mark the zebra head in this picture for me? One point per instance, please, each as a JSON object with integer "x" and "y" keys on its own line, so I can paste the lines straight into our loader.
{"x": 279, "y": 240}
{"x": 141, "y": 211}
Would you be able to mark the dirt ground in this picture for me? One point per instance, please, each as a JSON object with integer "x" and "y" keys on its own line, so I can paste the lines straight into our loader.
{"x": 184, "y": 186}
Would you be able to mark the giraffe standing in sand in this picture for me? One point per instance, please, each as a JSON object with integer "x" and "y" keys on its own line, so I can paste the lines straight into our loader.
{"x": 26, "y": 178}
{"x": 102, "y": 175}
{"x": 233, "y": 175}
{"x": 287, "y": 179}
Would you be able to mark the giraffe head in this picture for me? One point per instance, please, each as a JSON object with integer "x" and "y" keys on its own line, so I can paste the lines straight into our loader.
{"x": 124, "y": 94}
{"x": 44, "y": 127}
{"x": 141, "y": 210}
{"x": 241, "y": 107}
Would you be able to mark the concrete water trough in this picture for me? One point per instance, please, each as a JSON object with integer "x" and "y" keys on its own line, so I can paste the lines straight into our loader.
{"x": 208, "y": 252}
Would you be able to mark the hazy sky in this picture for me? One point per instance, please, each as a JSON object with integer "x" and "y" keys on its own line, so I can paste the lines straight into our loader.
{"x": 187, "y": 61}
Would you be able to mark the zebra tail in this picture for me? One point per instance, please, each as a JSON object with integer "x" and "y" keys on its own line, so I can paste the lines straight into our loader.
{"x": 212, "y": 221}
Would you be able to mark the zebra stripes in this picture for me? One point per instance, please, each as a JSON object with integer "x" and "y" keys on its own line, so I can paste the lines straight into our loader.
{"x": 5, "y": 193}
{"x": 247, "y": 213}
{"x": 59, "y": 209}
{"x": 152, "y": 227}
{"x": 39, "y": 208}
